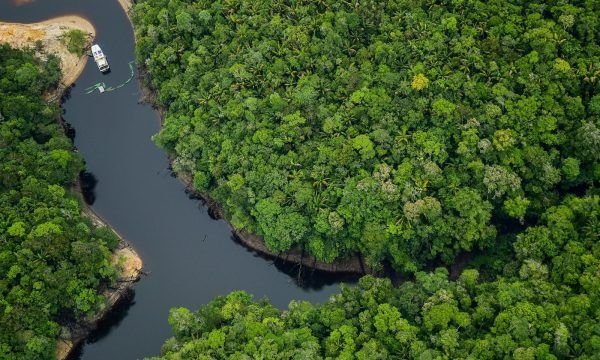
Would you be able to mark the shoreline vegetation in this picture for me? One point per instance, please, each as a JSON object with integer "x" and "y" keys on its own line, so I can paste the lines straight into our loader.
{"x": 317, "y": 156}
{"x": 351, "y": 265}
{"x": 254, "y": 242}
{"x": 49, "y": 33}
{"x": 130, "y": 265}
{"x": 461, "y": 134}
{"x": 46, "y": 37}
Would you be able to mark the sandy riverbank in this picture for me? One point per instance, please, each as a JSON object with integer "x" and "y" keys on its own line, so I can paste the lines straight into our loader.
{"x": 129, "y": 265}
{"x": 49, "y": 34}
{"x": 127, "y": 5}
{"x": 45, "y": 38}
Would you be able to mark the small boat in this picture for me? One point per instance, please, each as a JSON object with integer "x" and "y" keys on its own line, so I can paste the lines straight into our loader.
{"x": 100, "y": 58}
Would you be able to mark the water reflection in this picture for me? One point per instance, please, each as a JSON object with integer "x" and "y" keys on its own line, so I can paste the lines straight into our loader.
{"x": 106, "y": 325}
{"x": 88, "y": 182}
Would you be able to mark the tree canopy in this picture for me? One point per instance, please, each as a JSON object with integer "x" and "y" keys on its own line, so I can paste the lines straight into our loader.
{"x": 408, "y": 131}
{"x": 52, "y": 259}
{"x": 544, "y": 306}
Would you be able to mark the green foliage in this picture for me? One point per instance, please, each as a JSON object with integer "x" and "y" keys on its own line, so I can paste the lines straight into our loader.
{"x": 76, "y": 41}
{"x": 52, "y": 260}
{"x": 420, "y": 125}
{"x": 408, "y": 131}
{"x": 548, "y": 310}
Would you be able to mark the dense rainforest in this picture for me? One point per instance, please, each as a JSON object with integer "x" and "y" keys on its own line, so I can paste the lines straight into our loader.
{"x": 544, "y": 306}
{"x": 52, "y": 259}
{"x": 405, "y": 130}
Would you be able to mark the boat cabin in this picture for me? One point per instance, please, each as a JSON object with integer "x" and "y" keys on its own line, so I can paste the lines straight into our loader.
{"x": 100, "y": 58}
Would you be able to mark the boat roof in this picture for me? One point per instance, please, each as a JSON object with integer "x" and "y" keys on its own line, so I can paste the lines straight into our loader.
{"x": 96, "y": 51}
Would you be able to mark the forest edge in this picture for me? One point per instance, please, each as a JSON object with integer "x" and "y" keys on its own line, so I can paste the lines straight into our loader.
{"x": 352, "y": 265}
{"x": 125, "y": 258}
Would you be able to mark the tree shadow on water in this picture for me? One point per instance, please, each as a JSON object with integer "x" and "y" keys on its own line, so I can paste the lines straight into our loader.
{"x": 310, "y": 279}
{"x": 88, "y": 183}
{"x": 69, "y": 129}
{"x": 110, "y": 322}
{"x": 66, "y": 95}
{"x": 304, "y": 277}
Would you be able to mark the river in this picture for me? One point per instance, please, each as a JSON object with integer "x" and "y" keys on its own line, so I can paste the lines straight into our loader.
{"x": 190, "y": 257}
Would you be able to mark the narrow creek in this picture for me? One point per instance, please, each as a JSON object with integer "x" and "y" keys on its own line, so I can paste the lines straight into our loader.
{"x": 190, "y": 257}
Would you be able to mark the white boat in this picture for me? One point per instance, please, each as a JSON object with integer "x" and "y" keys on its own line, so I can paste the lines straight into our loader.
{"x": 100, "y": 58}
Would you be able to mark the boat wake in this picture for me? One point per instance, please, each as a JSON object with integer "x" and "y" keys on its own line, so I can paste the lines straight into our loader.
{"x": 101, "y": 86}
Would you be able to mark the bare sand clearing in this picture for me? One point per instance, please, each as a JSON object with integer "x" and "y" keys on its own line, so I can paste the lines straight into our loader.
{"x": 49, "y": 33}
{"x": 124, "y": 258}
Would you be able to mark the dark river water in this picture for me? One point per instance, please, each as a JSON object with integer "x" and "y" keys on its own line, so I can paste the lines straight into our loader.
{"x": 190, "y": 258}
